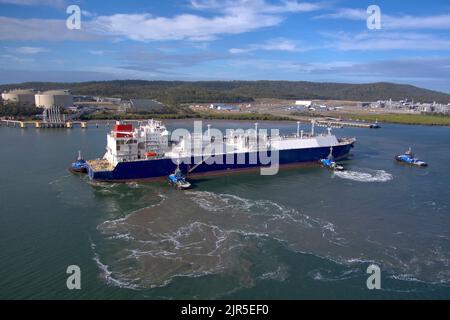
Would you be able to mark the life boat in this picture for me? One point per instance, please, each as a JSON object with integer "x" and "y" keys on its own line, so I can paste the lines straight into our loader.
{"x": 151, "y": 154}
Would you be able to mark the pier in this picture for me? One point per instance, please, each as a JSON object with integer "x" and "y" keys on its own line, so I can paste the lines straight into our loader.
{"x": 51, "y": 118}
{"x": 42, "y": 124}
{"x": 341, "y": 124}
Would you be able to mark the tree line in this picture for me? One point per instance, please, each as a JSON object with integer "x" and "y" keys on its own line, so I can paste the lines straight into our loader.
{"x": 174, "y": 93}
{"x": 18, "y": 110}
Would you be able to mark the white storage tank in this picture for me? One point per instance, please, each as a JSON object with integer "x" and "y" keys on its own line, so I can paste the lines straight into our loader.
{"x": 54, "y": 98}
{"x": 22, "y": 96}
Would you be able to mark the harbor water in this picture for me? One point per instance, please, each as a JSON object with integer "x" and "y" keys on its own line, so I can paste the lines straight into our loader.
{"x": 303, "y": 233}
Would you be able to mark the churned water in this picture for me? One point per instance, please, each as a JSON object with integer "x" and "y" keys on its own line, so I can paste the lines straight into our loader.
{"x": 304, "y": 233}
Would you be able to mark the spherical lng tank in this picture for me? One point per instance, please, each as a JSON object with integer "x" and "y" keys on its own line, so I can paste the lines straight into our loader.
{"x": 54, "y": 98}
{"x": 22, "y": 96}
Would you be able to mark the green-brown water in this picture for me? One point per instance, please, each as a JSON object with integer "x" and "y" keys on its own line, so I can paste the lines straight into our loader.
{"x": 305, "y": 233}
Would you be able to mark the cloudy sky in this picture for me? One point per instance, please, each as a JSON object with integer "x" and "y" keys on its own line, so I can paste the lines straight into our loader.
{"x": 227, "y": 40}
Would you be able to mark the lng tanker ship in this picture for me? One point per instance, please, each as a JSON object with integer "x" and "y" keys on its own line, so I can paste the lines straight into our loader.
{"x": 145, "y": 153}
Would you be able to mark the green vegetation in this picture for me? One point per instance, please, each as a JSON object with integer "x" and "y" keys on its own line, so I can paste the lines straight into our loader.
{"x": 174, "y": 93}
{"x": 225, "y": 116}
{"x": 242, "y": 116}
{"x": 419, "y": 119}
{"x": 102, "y": 115}
{"x": 177, "y": 94}
{"x": 171, "y": 93}
{"x": 18, "y": 111}
{"x": 308, "y": 114}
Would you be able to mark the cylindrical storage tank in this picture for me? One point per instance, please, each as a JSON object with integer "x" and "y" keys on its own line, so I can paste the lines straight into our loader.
{"x": 22, "y": 96}
{"x": 54, "y": 98}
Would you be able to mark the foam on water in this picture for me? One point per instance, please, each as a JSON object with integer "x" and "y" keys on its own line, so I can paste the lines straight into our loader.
{"x": 263, "y": 209}
{"x": 210, "y": 240}
{"x": 368, "y": 176}
{"x": 330, "y": 275}
{"x": 280, "y": 274}
{"x": 106, "y": 274}
{"x": 215, "y": 233}
{"x": 193, "y": 250}
{"x": 406, "y": 277}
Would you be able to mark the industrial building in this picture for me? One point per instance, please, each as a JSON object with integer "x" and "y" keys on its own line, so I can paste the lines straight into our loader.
{"x": 304, "y": 103}
{"x": 223, "y": 107}
{"x": 54, "y": 98}
{"x": 22, "y": 96}
{"x": 108, "y": 99}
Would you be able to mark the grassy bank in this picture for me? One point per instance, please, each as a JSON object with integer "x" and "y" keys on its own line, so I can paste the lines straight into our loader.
{"x": 208, "y": 116}
{"x": 417, "y": 119}
{"x": 242, "y": 116}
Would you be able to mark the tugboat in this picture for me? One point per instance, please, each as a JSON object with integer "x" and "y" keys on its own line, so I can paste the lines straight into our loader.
{"x": 408, "y": 158}
{"x": 375, "y": 125}
{"x": 178, "y": 181}
{"x": 329, "y": 162}
{"x": 80, "y": 165}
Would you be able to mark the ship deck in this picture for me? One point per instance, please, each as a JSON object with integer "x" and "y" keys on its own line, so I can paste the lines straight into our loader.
{"x": 100, "y": 165}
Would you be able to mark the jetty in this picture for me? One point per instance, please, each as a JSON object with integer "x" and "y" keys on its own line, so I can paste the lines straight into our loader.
{"x": 51, "y": 118}
{"x": 342, "y": 124}
{"x": 43, "y": 124}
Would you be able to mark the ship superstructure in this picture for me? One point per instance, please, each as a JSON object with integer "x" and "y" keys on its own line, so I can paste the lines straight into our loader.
{"x": 125, "y": 144}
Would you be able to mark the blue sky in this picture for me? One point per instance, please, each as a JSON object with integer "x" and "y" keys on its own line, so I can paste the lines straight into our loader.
{"x": 325, "y": 41}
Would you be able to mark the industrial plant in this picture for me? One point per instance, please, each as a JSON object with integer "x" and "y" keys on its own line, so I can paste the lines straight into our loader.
{"x": 22, "y": 96}
{"x": 46, "y": 99}
{"x": 53, "y": 103}
{"x": 54, "y": 98}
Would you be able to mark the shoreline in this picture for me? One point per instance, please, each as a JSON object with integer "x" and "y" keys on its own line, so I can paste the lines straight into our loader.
{"x": 357, "y": 118}
{"x": 405, "y": 119}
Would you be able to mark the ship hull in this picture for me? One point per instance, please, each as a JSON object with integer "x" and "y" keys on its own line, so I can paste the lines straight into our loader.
{"x": 158, "y": 168}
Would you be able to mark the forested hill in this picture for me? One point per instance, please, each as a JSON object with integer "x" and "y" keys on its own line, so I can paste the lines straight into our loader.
{"x": 175, "y": 92}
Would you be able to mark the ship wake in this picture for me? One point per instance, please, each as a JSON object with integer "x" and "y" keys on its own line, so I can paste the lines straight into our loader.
{"x": 367, "y": 176}
{"x": 213, "y": 234}
{"x": 202, "y": 234}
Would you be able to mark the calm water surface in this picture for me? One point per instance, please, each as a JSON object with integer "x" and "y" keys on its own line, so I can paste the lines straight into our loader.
{"x": 305, "y": 233}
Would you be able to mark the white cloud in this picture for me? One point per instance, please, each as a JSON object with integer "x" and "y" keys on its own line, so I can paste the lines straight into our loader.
{"x": 88, "y": 14}
{"x": 41, "y": 29}
{"x": 28, "y": 74}
{"x": 436, "y": 22}
{"x": 53, "y": 3}
{"x": 142, "y": 27}
{"x": 221, "y": 18}
{"x": 295, "y": 6}
{"x": 28, "y": 50}
{"x": 288, "y": 66}
{"x": 278, "y": 44}
{"x": 431, "y": 68}
{"x": 230, "y": 17}
{"x": 8, "y": 59}
{"x": 97, "y": 52}
{"x": 370, "y": 41}
{"x": 345, "y": 13}
{"x": 261, "y": 6}
{"x": 239, "y": 50}
{"x": 166, "y": 63}
{"x": 428, "y": 72}
{"x": 417, "y": 22}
